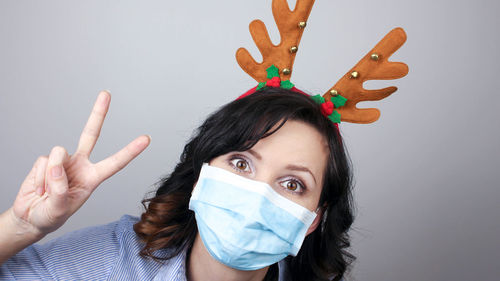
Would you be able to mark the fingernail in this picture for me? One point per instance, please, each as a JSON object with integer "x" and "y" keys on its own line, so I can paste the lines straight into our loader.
{"x": 56, "y": 172}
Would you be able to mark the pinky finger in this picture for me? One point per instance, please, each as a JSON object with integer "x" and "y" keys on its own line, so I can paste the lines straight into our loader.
{"x": 111, "y": 165}
{"x": 32, "y": 180}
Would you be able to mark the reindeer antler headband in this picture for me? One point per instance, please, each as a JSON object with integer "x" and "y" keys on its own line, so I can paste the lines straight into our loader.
{"x": 339, "y": 102}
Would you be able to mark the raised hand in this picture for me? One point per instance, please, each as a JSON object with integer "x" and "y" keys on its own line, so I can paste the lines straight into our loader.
{"x": 59, "y": 184}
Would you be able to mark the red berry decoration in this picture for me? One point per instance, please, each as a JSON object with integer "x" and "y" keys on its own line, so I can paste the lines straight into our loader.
{"x": 274, "y": 82}
{"x": 327, "y": 108}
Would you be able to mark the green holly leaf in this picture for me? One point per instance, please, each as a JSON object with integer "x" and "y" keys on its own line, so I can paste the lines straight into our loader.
{"x": 335, "y": 117}
{"x": 286, "y": 84}
{"x": 260, "y": 86}
{"x": 338, "y": 101}
{"x": 272, "y": 71}
{"x": 318, "y": 99}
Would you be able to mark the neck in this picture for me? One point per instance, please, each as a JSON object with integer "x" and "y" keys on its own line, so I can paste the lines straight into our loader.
{"x": 201, "y": 266}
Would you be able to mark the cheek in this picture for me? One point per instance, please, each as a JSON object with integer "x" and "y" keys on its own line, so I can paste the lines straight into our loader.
{"x": 313, "y": 202}
{"x": 313, "y": 198}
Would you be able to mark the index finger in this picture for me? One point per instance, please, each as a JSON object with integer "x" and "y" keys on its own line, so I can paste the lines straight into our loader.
{"x": 92, "y": 129}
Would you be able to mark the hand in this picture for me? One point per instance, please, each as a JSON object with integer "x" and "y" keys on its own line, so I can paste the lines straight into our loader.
{"x": 59, "y": 184}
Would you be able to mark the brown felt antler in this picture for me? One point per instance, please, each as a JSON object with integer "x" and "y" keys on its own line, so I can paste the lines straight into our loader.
{"x": 373, "y": 66}
{"x": 290, "y": 25}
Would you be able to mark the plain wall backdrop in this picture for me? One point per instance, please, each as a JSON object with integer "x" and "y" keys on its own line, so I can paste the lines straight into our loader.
{"x": 427, "y": 173}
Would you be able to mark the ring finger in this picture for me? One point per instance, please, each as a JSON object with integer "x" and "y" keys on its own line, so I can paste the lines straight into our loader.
{"x": 39, "y": 183}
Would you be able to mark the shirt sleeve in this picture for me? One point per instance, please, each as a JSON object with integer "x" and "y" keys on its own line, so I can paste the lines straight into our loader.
{"x": 87, "y": 254}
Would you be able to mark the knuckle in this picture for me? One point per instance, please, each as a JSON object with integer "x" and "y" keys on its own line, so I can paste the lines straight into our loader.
{"x": 94, "y": 132}
{"x": 42, "y": 159}
{"x": 117, "y": 163}
{"x": 59, "y": 150}
{"x": 98, "y": 112}
{"x": 128, "y": 150}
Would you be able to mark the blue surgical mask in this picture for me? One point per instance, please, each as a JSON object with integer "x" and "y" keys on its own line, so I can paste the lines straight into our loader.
{"x": 245, "y": 224}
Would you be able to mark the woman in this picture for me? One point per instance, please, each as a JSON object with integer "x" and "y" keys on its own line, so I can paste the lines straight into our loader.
{"x": 293, "y": 226}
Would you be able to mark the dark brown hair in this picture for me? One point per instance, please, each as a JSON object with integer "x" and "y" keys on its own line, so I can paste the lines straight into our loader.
{"x": 168, "y": 223}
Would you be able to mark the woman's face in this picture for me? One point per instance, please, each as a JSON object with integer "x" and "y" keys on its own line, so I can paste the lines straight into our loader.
{"x": 292, "y": 161}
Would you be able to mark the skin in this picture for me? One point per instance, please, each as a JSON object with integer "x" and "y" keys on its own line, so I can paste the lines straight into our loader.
{"x": 59, "y": 184}
{"x": 292, "y": 161}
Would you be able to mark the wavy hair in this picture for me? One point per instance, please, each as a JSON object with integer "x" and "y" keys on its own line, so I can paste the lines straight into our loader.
{"x": 238, "y": 126}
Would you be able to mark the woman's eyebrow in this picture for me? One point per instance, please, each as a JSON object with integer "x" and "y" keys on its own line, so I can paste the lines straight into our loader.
{"x": 255, "y": 154}
{"x": 300, "y": 168}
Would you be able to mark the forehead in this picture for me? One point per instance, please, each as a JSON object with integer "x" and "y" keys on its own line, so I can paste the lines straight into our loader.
{"x": 296, "y": 142}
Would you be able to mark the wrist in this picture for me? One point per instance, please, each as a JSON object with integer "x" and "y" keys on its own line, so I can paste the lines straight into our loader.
{"x": 16, "y": 235}
{"x": 19, "y": 229}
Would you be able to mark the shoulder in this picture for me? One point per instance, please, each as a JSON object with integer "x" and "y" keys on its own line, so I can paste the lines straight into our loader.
{"x": 95, "y": 244}
{"x": 94, "y": 238}
{"x": 97, "y": 252}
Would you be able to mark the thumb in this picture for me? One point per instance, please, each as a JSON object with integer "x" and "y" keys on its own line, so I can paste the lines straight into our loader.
{"x": 56, "y": 180}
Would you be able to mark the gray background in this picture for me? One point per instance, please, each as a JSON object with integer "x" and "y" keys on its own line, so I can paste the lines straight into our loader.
{"x": 427, "y": 173}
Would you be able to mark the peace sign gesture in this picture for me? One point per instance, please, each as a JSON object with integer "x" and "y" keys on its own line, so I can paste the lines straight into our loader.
{"x": 59, "y": 184}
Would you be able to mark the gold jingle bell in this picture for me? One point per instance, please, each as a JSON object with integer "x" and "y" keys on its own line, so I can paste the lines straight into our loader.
{"x": 334, "y": 92}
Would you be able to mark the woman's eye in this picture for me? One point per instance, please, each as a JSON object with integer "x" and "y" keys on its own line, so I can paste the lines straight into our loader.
{"x": 240, "y": 165}
{"x": 293, "y": 186}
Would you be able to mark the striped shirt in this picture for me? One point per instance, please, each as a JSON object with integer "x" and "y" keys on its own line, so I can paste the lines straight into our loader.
{"x": 107, "y": 252}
